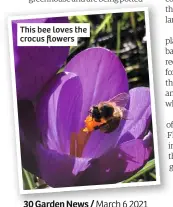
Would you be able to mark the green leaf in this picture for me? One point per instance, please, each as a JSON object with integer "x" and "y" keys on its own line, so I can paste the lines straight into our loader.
{"x": 133, "y": 21}
{"x": 118, "y": 47}
{"x": 28, "y": 180}
{"x": 102, "y": 27}
{"x": 149, "y": 166}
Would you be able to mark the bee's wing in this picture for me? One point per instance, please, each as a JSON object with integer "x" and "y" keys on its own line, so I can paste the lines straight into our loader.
{"x": 121, "y": 99}
{"x": 126, "y": 114}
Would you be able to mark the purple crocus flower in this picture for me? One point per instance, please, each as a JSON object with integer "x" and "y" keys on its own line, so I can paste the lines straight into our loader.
{"x": 35, "y": 66}
{"x": 47, "y": 130}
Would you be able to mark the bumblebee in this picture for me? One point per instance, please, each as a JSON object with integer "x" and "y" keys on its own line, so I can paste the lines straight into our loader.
{"x": 106, "y": 116}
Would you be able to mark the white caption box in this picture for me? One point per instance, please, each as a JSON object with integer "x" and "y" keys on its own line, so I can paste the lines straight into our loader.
{"x": 51, "y": 34}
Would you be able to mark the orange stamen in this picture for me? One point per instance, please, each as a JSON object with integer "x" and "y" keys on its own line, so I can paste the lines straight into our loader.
{"x": 78, "y": 142}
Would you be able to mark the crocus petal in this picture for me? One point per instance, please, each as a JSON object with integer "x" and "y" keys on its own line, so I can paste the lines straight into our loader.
{"x": 99, "y": 142}
{"x": 29, "y": 134}
{"x": 34, "y": 66}
{"x": 55, "y": 169}
{"x": 148, "y": 143}
{"x": 27, "y": 121}
{"x": 102, "y": 76}
{"x": 58, "y": 111}
{"x": 140, "y": 112}
{"x": 119, "y": 163}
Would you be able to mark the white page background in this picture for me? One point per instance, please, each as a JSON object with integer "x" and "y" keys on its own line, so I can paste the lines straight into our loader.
{"x": 9, "y": 189}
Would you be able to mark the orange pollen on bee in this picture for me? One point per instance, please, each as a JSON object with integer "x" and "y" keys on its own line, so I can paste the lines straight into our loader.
{"x": 90, "y": 124}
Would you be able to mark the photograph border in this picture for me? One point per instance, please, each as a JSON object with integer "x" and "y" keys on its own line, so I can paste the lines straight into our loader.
{"x": 151, "y": 82}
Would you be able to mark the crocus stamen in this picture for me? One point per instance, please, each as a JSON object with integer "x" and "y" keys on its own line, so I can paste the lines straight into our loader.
{"x": 78, "y": 142}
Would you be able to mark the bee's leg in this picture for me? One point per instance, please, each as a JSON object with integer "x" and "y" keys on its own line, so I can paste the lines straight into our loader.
{"x": 104, "y": 127}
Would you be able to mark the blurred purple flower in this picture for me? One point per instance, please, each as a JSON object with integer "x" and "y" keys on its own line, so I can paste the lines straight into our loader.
{"x": 35, "y": 66}
{"x": 47, "y": 131}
